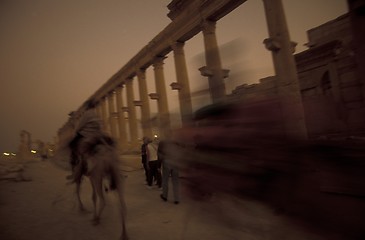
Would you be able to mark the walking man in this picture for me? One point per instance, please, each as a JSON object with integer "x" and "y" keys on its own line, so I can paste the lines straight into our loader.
{"x": 168, "y": 153}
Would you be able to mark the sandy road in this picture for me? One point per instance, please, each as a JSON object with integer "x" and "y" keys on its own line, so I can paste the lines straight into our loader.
{"x": 45, "y": 208}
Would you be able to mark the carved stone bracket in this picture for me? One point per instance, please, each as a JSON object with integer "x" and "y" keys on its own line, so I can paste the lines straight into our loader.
{"x": 154, "y": 96}
{"x": 137, "y": 103}
{"x": 205, "y": 71}
{"x": 114, "y": 114}
{"x": 175, "y": 86}
{"x": 272, "y": 44}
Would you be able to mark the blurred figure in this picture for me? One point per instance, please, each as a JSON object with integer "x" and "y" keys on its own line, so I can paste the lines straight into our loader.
{"x": 94, "y": 154}
{"x": 153, "y": 164}
{"x": 168, "y": 154}
{"x": 145, "y": 140}
{"x": 88, "y": 133}
{"x": 243, "y": 156}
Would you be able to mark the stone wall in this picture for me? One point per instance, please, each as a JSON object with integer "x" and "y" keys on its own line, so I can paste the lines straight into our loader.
{"x": 329, "y": 80}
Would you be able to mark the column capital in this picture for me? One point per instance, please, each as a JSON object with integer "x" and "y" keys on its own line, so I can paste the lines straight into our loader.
{"x": 208, "y": 27}
{"x": 158, "y": 61}
{"x": 178, "y": 47}
{"x": 128, "y": 80}
{"x": 119, "y": 89}
{"x": 141, "y": 73}
{"x": 97, "y": 102}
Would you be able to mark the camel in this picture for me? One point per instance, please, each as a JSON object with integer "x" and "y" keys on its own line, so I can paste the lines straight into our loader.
{"x": 103, "y": 163}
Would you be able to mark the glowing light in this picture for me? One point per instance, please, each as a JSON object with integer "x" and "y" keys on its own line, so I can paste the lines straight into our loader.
{"x": 13, "y": 154}
{"x": 33, "y": 151}
{"x": 155, "y": 135}
{"x": 6, "y": 154}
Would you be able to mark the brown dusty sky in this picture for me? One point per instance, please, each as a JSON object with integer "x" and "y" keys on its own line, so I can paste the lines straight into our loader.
{"x": 55, "y": 54}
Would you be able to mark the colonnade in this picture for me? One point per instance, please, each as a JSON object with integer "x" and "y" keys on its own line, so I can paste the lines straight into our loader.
{"x": 186, "y": 24}
{"x": 120, "y": 120}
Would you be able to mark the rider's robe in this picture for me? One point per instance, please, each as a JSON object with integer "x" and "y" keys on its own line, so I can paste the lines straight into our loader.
{"x": 89, "y": 131}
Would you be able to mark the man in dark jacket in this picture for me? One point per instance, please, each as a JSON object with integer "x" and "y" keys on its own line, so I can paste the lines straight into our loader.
{"x": 146, "y": 140}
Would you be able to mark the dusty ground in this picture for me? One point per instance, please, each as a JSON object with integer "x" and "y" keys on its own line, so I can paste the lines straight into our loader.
{"x": 44, "y": 207}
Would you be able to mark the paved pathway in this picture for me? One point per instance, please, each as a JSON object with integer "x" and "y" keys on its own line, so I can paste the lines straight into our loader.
{"x": 45, "y": 209}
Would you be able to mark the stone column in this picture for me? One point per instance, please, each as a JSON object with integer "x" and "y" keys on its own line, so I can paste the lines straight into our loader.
{"x": 213, "y": 70}
{"x": 131, "y": 113}
{"x": 145, "y": 106}
{"x": 163, "y": 109}
{"x": 99, "y": 110}
{"x": 285, "y": 69}
{"x": 104, "y": 114}
{"x": 182, "y": 84}
{"x": 112, "y": 115}
{"x": 121, "y": 120}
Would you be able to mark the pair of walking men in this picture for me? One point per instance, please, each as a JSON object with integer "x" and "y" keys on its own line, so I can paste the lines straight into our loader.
{"x": 156, "y": 155}
{"x": 150, "y": 161}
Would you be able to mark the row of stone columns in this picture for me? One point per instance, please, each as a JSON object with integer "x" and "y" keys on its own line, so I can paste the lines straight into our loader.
{"x": 113, "y": 114}
{"x": 278, "y": 43}
{"x": 115, "y": 123}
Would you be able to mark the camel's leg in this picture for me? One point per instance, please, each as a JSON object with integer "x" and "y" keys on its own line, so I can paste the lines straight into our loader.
{"x": 124, "y": 235}
{"x": 98, "y": 187}
{"x": 123, "y": 208}
{"x": 81, "y": 206}
{"x": 93, "y": 197}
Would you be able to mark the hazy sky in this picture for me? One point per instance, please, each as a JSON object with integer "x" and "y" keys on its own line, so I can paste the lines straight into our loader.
{"x": 56, "y": 53}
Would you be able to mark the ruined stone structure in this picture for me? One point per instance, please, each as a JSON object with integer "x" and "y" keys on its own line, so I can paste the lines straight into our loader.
{"x": 188, "y": 18}
{"x": 330, "y": 84}
{"x": 24, "y": 146}
{"x": 330, "y": 79}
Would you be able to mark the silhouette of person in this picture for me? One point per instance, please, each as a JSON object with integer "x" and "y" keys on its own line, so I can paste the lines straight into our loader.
{"x": 168, "y": 154}
{"x": 146, "y": 140}
{"x": 153, "y": 164}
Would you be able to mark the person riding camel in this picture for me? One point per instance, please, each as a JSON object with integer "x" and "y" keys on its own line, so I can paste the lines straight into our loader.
{"x": 88, "y": 134}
